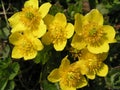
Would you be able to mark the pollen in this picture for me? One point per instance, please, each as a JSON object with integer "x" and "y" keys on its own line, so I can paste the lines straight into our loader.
{"x": 30, "y": 17}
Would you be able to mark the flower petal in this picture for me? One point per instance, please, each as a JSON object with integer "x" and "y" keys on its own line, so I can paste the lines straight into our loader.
{"x": 102, "y": 48}
{"x": 69, "y": 30}
{"x": 30, "y": 55}
{"x": 109, "y": 30}
{"x": 64, "y": 87}
{"x": 31, "y": 3}
{"x": 18, "y": 27}
{"x": 44, "y": 9}
{"x": 61, "y": 19}
{"x": 14, "y": 19}
{"x": 103, "y": 70}
{"x": 59, "y": 46}
{"x": 48, "y": 19}
{"x": 94, "y": 16}
{"x": 37, "y": 44}
{"x": 54, "y": 76}
{"x": 16, "y": 52}
{"x": 46, "y": 39}
{"x": 91, "y": 75}
{"x": 15, "y": 38}
{"x": 40, "y": 31}
{"x": 64, "y": 64}
{"x": 78, "y": 23}
{"x": 77, "y": 42}
{"x": 83, "y": 82}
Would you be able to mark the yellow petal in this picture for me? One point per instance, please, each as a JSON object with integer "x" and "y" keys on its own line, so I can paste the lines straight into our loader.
{"x": 37, "y": 44}
{"x": 77, "y": 42}
{"x": 15, "y": 38}
{"x": 46, "y": 39}
{"x": 69, "y": 30}
{"x": 61, "y": 19}
{"x": 14, "y": 19}
{"x": 78, "y": 23}
{"x": 54, "y": 76}
{"x": 103, "y": 71}
{"x": 30, "y": 54}
{"x": 83, "y": 82}
{"x": 18, "y": 27}
{"x": 91, "y": 75}
{"x": 16, "y": 52}
{"x": 100, "y": 49}
{"x": 64, "y": 87}
{"x": 83, "y": 68}
{"x": 94, "y": 16}
{"x": 109, "y": 30}
{"x": 40, "y": 31}
{"x": 44, "y": 9}
{"x": 31, "y": 3}
{"x": 48, "y": 19}
{"x": 64, "y": 64}
{"x": 59, "y": 46}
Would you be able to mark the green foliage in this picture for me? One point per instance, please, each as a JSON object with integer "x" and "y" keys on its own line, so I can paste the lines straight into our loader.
{"x": 8, "y": 71}
{"x": 113, "y": 79}
{"x": 44, "y": 55}
{"x": 49, "y": 86}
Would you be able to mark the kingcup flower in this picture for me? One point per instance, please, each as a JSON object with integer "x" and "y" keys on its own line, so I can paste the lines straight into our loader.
{"x": 92, "y": 64}
{"x": 91, "y": 33}
{"x": 30, "y": 18}
{"x": 58, "y": 31}
{"x": 68, "y": 75}
{"x": 25, "y": 45}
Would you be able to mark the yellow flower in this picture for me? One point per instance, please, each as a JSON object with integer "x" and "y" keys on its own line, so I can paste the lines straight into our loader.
{"x": 30, "y": 18}
{"x": 68, "y": 75}
{"x": 58, "y": 31}
{"x": 92, "y": 64}
{"x": 91, "y": 33}
{"x": 26, "y": 45}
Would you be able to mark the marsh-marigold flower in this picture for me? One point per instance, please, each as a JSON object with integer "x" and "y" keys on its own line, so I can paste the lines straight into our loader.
{"x": 58, "y": 31}
{"x": 92, "y": 64}
{"x": 31, "y": 18}
{"x": 26, "y": 45}
{"x": 91, "y": 33}
{"x": 68, "y": 75}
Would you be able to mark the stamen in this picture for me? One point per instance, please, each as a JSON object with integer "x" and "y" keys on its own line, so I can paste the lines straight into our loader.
{"x": 57, "y": 34}
{"x": 93, "y": 34}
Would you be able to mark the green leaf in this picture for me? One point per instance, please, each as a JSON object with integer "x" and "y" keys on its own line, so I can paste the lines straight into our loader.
{"x": 46, "y": 85}
{"x": 3, "y": 83}
{"x": 10, "y": 85}
{"x": 13, "y": 70}
{"x": 44, "y": 55}
{"x": 113, "y": 79}
{"x": 4, "y": 63}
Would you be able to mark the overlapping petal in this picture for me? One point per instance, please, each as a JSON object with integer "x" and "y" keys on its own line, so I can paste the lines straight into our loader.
{"x": 31, "y": 3}
{"x": 77, "y": 42}
{"x": 94, "y": 16}
{"x": 44, "y": 9}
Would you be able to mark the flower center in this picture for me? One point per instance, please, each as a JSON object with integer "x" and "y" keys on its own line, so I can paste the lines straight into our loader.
{"x": 57, "y": 33}
{"x": 30, "y": 17}
{"x": 73, "y": 78}
{"x": 93, "y": 65}
{"x": 27, "y": 46}
{"x": 93, "y": 34}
